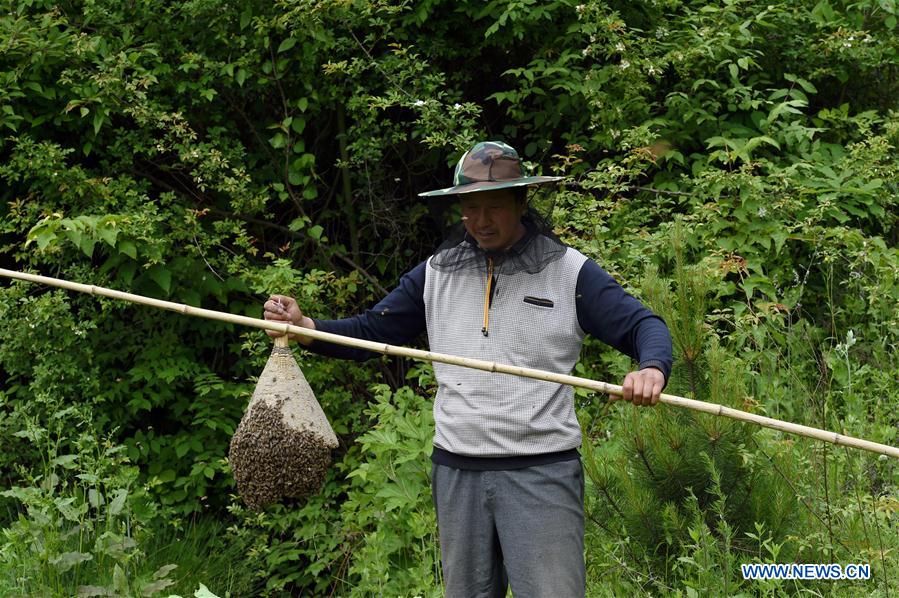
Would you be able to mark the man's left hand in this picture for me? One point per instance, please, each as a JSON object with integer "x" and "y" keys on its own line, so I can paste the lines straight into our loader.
{"x": 643, "y": 387}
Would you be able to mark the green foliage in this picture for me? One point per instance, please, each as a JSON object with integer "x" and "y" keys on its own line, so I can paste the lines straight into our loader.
{"x": 388, "y": 507}
{"x": 664, "y": 483}
{"x": 83, "y": 522}
{"x": 213, "y": 152}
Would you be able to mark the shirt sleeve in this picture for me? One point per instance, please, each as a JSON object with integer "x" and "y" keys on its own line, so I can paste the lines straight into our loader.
{"x": 607, "y": 312}
{"x": 397, "y": 319}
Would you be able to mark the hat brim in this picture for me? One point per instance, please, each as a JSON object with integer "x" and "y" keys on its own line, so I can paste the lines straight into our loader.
{"x": 490, "y": 185}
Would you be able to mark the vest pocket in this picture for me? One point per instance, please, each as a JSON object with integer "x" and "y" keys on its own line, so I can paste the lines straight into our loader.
{"x": 538, "y": 301}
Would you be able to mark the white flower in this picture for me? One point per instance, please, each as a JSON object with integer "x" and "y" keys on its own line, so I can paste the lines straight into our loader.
{"x": 585, "y": 51}
{"x": 762, "y": 212}
{"x": 624, "y": 64}
{"x": 419, "y": 103}
{"x": 652, "y": 70}
{"x": 619, "y": 47}
{"x": 580, "y": 8}
{"x": 457, "y": 106}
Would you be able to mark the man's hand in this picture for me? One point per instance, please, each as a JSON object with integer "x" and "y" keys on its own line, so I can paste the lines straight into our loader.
{"x": 643, "y": 387}
{"x": 281, "y": 308}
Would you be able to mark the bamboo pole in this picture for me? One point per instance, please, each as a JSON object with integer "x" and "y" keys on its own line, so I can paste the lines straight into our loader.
{"x": 489, "y": 366}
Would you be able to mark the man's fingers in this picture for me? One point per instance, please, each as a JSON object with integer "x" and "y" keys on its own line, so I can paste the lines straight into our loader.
{"x": 643, "y": 388}
{"x": 657, "y": 392}
{"x": 274, "y": 308}
{"x": 627, "y": 389}
{"x": 639, "y": 388}
{"x": 278, "y": 310}
{"x": 276, "y": 314}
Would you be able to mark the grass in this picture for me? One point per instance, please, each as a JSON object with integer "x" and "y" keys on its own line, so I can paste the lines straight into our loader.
{"x": 205, "y": 553}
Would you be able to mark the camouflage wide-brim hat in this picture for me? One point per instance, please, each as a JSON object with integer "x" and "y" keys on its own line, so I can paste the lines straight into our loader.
{"x": 489, "y": 165}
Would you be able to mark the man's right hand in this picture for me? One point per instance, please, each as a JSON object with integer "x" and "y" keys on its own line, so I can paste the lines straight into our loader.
{"x": 281, "y": 308}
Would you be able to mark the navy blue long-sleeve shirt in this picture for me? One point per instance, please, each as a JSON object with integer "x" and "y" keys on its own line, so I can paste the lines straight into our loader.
{"x": 604, "y": 310}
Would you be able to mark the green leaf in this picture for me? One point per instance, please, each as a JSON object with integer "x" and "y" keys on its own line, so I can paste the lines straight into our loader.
{"x": 316, "y": 231}
{"x": 167, "y": 476}
{"x": 756, "y": 141}
{"x": 278, "y": 140}
{"x": 128, "y": 248}
{"x": 87, "y": 245}
{"x": 154, "y": 587}
{"x": 823, "y": 12}
{"x": 95, "y": 498}
{"x": 65, "y": 461}
{"x": 164, "y": 571}
{"x": 872, "y": 185}
{"x": 241, "y": 76}
{"x": 119, "y": 580}
{"x": 789, "y": 106}
{"x": 44, "y": 238}
{"x": 65, "y": 561}
{"x": 298, "y": 223}
{"x": 806, "y": 85}
{"x": 118, "y": 502}
{"x": 203, "y": 592}
{"x": 287, "y": 44}
{"x": 99, "y": 118}
{"x": 23, "y": 495}
{"x": 108, "y": 234}
{"x": 75, "y": 236}
{"x": 67, "y": 509}
{"x": 161, "y": 276}
{"x": 780, "y": 237}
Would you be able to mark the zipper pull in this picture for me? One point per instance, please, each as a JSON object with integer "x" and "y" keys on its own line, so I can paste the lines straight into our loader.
{"x": 487, "y": 297}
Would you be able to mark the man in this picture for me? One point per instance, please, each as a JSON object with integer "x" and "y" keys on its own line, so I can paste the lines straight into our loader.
{"x": 507, "y": 480}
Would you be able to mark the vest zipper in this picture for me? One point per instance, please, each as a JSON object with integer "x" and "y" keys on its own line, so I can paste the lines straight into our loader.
{"x": 487, "y": 297}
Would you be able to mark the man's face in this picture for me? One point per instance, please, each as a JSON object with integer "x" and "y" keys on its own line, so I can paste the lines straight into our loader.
{"x": 493, "y": 218}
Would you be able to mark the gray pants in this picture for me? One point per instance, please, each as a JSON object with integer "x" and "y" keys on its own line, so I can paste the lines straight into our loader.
{"x": 518, "y": 527}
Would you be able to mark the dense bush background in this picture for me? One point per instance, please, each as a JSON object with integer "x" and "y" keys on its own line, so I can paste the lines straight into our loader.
{"x": 733, "y": 164}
